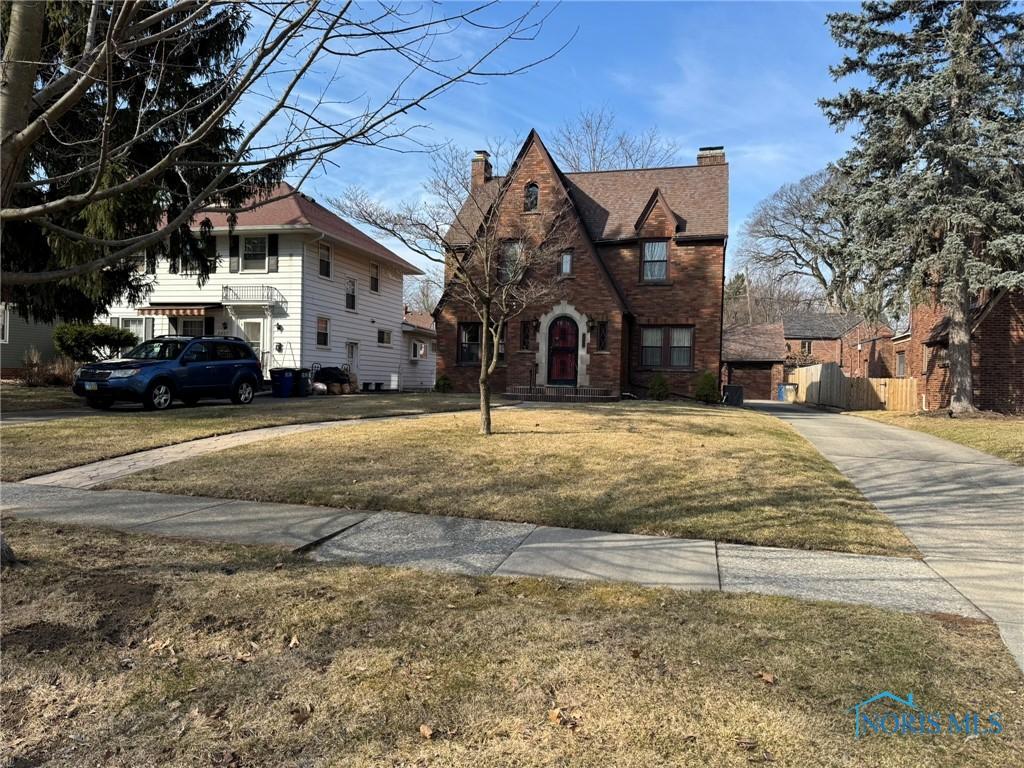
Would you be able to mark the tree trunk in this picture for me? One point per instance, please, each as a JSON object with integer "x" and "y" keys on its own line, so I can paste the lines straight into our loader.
{"x": 22, "y": 52}
{"x": 961, "y": 383}
{"x": 485, "y": 373}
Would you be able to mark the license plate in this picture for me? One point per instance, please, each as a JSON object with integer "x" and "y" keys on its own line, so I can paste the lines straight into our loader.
{"x": 90, "y": 386}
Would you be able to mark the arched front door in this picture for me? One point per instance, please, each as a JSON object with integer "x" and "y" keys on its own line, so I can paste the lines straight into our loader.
{"x": 563, "y": 341}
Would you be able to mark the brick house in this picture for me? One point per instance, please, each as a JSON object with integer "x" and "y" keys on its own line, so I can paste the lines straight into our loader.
{"x": 997, "y": 353}
{"x": 754, "y": 356}
{"x": 638, "y": 290}
{"x": 859, "y": 347}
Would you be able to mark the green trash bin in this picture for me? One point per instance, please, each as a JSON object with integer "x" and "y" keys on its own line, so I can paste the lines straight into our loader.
{"x": 303, "y": 382}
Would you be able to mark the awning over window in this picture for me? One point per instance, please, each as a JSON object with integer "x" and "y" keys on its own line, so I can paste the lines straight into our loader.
{"x": 179, "y": 310}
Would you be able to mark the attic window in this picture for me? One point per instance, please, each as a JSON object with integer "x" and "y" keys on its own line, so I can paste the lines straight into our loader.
{"x": 531, "y": 197}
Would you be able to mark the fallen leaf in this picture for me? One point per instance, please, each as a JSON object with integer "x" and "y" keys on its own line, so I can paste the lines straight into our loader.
{"x": 426, "y": 731}
{"x": 278, "y": 566}
{"x": 767, "y": 678}
{"x": 301, "y": 713}
{"x": 559, "y": 716}
{"x": 746, "y": 743}
{"x": 294, "y": 641}
{"x": 228, "y": 759}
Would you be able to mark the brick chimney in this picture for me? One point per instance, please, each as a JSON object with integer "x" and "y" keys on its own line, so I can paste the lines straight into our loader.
{"x": 711, "y": 156}
{"x": 481, "y": 169}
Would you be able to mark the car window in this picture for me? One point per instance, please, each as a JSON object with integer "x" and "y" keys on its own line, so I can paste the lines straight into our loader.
{"x": 157, "y": 349}
{"x": 224, "y": 351}
{"x": 198, "y": 352}
{"x": 244, "y": 352}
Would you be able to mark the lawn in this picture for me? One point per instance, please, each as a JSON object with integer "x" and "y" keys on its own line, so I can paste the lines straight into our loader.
{"x": 126, "y": 650}
{"x": 35, "y": 449}
{"x": 16, "y": 397}
{"x": 673, "y": 469}
{"x": 999, "y": 435}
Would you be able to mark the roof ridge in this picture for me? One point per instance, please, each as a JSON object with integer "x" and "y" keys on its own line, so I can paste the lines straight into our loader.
{"x": 645, "y": 168}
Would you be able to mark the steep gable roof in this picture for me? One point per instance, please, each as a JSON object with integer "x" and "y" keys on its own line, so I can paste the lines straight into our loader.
{"x": 657, "y": 198}
{"x": 294, "y": 209}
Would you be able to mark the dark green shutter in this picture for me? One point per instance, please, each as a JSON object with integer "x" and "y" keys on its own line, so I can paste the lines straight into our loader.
{"x": 271, "y": 253}
{"x": 211, "y": 253}
{"x": 208, "y": 326}
{"x": 172, "y": 323}
{"x": 233, "y": 255}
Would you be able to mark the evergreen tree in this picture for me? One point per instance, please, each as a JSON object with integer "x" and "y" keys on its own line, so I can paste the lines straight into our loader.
{"x": 935, "y": 180}
{"x": 205, "y": 58}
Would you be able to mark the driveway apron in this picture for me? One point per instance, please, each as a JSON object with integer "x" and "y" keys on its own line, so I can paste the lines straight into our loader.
{"x": 963, "y": 509}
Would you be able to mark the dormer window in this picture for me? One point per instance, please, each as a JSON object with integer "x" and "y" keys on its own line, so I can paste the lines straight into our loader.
{"x": 531, "y": 196}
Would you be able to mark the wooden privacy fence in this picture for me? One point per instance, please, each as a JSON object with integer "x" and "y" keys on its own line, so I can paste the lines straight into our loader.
{"x": 826, "y": 384}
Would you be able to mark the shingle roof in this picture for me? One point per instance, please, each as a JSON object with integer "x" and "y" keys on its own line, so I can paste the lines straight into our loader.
{"x": 610, "y": 202}
{"x": 754, "y": 343}
{"x": 297, "y": 209}
{"x": 422, "y": 320}
{"x": 818, "y": 325}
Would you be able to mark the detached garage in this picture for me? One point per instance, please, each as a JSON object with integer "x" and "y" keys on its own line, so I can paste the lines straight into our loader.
{"x": 753, "y": 357}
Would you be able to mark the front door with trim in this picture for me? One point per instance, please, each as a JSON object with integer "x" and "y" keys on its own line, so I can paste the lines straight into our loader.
{"x": 563, "y": 341}
{"x": 352, "y": 358}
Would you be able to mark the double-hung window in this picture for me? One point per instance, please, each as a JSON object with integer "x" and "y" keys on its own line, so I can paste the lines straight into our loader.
{"x": 666, "y": 347}
{"x": 655, "y": 261}
{"x": 254, "y": 254}
{"x": 383, "y": 337}
{"x": 805, "y": 346}
{"x": 350, "y": 295}
{"x": 417, "y": 350}
{"x": 901, "y": 364}
{"x": 325, "y": 260}
{"x": 602, "y": 335}
{"x": 565, "y": 264}
{"x": 375, "y": 278}
{"x": 469, "y": 342}
{"x": 323, "y": 332}
{"x": 510, "y": 262}
{"x": 136, "y": 325}
{"x": 524, "y": 334}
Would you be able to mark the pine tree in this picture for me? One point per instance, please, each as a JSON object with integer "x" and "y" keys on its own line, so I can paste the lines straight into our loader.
{"x": 935, "y": 179}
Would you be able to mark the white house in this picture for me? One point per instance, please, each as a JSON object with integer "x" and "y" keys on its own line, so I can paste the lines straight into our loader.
{"x": 302, "y": 285}
{"x": 419, "y": 363}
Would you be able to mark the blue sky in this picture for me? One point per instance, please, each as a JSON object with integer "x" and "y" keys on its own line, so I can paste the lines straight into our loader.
{"x": 745, "y": 75}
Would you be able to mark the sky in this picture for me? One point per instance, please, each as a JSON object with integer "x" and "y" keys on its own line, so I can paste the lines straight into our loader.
{"x": 739, "y": 74}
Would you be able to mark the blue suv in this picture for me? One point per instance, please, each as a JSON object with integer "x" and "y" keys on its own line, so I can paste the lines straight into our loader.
{"x": 166, "y": 368}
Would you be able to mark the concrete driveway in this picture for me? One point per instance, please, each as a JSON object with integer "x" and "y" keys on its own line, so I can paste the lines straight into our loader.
{"x": 963, "y": 509}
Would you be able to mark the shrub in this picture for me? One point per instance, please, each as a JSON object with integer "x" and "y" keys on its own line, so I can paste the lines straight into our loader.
{"x": 61, "y": 372}
{"x": 706, "y": 389}
{"x": 658, "y": 388}
{"x": 443, "y": 384}
{"x": 89, "y": 343}
{"x": 33, "y": 372}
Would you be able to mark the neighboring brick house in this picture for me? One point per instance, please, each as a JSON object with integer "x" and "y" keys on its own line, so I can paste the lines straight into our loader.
{"x": 860, "y": 348}
{"x": 753, "y": 356}
{"x": 639, "y": 292}
{"x": 997, "y": 353}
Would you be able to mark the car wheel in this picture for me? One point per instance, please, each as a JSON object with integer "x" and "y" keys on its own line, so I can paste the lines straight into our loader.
{"x": 243, "y": 392}
{"x": 99, "y": 404}
{"x": 158, "y": 397}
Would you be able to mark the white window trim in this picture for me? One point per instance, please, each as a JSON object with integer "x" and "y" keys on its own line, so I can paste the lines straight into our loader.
{"x": 5, "y": 334}
{"x": 316, "y": 333}
{"x": 266, "y": 255}
{"x": 413, "y": 345}
{"x": 391, "y": 337}
{"x": 330, "y": 261}
{"x": 380, "y": 276}
{"x": 355, "y": 292}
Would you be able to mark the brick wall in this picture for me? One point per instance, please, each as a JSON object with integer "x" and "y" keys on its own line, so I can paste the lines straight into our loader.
{"x": 867, "y": 351}
{"x": 759, "y": 380}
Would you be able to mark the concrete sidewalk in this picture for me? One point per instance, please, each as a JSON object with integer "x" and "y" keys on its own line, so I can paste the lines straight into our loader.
{"x": 963, "y": 509}
{"x": 468, "y": 546}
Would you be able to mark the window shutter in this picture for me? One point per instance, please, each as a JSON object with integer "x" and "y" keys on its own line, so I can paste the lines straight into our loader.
{"x": 233, "y": 254}
{"x": 272, "y": 253}
{"x": 172, "y": 323}
{"x": 211, "y": 253}
{"x": 208, "y": 326}
{"x": 148, "y": 334}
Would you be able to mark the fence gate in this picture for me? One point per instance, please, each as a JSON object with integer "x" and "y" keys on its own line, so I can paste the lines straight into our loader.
{"x": 827, "y": 384}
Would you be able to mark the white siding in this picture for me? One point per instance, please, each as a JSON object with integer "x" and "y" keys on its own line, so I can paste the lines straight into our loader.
{"x": 383, "y": 310}
{"x": 182, "y": 289}
{"x": 418, "y": 374}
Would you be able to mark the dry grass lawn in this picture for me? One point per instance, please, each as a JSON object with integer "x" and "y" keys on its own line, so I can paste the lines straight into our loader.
{"x": 132, "y": 651}
{"x": 35, "y": 449}
{"x": 672, "y": 469}
{"x": 999, "y": 435}
{"x": 15, "y": 397}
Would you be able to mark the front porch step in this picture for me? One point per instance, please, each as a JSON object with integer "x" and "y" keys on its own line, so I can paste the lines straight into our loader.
{"x": 550, "y": 394}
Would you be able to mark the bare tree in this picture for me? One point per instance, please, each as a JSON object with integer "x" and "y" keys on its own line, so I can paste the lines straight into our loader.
{"x": 796, "y": 232}
{"x": 591, "y": 141}
{"x": 496, "y": 265}
{"x": 765, "y": 295}
{"x": 293, "y": 43}
{"x": 422, "y": 293}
